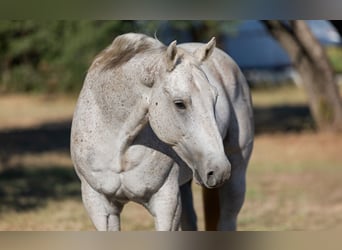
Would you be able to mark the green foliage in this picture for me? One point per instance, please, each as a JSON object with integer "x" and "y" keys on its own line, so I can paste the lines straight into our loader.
{"x": 52, "y": 56}
{"x": 199, "y": 30}
{"x": 335, "y": 57}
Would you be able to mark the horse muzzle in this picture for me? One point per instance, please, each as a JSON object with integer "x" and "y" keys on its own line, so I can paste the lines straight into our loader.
{"x": 217, "y": 175}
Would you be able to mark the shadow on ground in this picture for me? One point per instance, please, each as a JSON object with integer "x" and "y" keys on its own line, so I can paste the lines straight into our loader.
{"x": 47, "y": 137}
{"x": 26, "y": 187}
{"x": 56, "y": 136}
{"x": 282, "y": 119}
{"x": 22, "y": 189}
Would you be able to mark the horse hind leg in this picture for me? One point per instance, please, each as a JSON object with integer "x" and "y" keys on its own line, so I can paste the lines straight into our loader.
{"x": 211, "y": 208}
{"x": 104, "y": 214}
{"x": 188, "y": 217}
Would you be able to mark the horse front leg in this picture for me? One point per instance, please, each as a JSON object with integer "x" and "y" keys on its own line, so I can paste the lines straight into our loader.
{"x": 104, "y": 213}
{"x": 231, "y": 197}
{"x": 232, "y": 193}
{"x": 165, "y": 204}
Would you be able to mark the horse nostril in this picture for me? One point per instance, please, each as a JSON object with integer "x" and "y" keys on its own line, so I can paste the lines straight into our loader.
{"x": 211, "y": 180}
{"x": 210, "y": 173}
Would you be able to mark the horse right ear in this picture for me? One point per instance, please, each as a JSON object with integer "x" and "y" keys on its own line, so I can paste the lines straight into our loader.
{"x": 171, "y": 56}
{"x": 206, "y": 50}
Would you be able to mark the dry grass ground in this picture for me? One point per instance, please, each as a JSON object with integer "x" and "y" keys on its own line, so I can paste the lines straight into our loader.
{"x": 294, "y": 182}
{"x": 294, "y": 179}
{"x": 22, "y": 111}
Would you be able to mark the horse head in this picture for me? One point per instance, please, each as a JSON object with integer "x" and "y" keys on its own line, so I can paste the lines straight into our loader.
{"x": 182, "y": 113}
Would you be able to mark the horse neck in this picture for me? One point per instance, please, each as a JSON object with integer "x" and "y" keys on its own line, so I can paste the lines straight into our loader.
{"x": 119, "y": 91}
{"x": 122, "y": 99}
{"x": 140, "y": 73}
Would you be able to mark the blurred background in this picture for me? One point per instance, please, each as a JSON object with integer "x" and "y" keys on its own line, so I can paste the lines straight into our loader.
{"x": 294, "y": 71}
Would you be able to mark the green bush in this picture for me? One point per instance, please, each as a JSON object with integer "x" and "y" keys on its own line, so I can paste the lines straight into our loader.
{"x": 52, "y": 56}
{"x": 335, "y": 57}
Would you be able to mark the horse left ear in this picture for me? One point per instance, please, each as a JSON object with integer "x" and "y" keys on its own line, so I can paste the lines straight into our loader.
{"x": 171, "y": 56}
{"x": 205, "y": 51}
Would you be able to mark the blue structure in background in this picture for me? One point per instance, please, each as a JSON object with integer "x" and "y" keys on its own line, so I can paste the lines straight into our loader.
{"x": 262, "y": 58}
{"x": 257, "y": 53}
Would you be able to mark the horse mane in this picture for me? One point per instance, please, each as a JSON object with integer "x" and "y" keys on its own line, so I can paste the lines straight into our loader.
{"x": 125, "y": 47}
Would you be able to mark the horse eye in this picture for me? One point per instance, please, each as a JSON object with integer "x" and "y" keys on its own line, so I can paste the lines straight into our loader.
{"x": 180, "y": 104}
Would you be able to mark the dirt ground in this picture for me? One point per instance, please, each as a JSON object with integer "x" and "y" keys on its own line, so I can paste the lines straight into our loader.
{"x": 294, "y": 183}
{"x": 294, "y": 180}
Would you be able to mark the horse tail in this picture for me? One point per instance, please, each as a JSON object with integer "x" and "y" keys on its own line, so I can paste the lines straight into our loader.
{"x": 211, "y": 208}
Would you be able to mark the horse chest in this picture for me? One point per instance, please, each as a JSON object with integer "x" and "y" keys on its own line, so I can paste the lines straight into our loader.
{"x": 145, "y": 172}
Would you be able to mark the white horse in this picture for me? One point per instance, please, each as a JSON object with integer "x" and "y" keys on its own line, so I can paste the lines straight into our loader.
{"x": 150, "y": 118}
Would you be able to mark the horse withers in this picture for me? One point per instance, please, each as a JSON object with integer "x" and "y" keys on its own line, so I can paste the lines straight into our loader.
{"x": 150, "y": 118}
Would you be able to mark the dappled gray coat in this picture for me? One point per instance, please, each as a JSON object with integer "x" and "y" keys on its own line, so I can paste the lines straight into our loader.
{"x": 149, "y": 118}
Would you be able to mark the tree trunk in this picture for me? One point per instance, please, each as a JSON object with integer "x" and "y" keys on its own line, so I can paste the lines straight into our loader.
{"x": 338, "y": 25}
{"x": 310, "y": 60}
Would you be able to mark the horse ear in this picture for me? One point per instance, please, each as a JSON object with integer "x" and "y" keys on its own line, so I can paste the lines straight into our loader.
{"x": 205, "y": 51}
{"x": 171, "y": 56}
